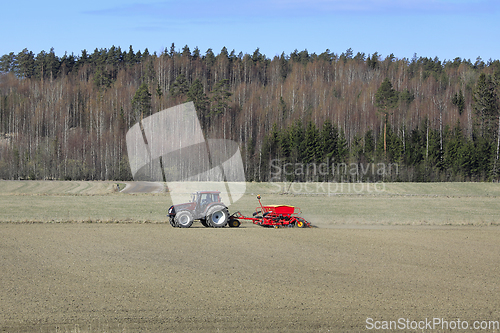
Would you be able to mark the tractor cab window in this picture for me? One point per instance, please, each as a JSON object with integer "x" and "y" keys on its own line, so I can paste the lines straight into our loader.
{"x": 214, "y": 197}
{"x": 205, "y": 199}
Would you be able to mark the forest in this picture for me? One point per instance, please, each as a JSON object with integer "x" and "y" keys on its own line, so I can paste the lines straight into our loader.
{"x": 428, "y": 120}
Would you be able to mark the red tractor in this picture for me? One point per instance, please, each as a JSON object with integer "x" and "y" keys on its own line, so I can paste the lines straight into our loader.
{"x": 205, "y": 206}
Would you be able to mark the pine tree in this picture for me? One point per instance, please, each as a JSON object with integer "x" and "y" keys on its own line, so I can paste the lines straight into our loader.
{"x": 283, "y": 66}
{"x": 357, "y": 149}
{"x": 285, "y": 145}
{"x": 329, "y": 141}
{"x": 298, "y": 142}
{"x": 394, "y": 146}
{"x": 200, "y": 100}
{"x": 172, "y": 52}
{"x": 196, "y": 53}
{"x": 452, "y": 154}
{"x": 283, "y": 109}
{"x": 7, "y": 62}
{"x": 458, "y": 100}
{"x": 250, "y": 160}
{"x": 312, "y": 143}
{"x": 486, "y": 105}
{"x": 269, "y": 152}
{"x": 180, "y": 86}
{"x": 369, "y": 146}
{"x": 342, "y": 148}
{"x": 386, "y": 99}
{"x": 186, "y": 52}
{"x": 130, "y": 57}
{"x": 209, "y": 58}
{"x": 141, "y": 103}
{"x": 220, "y": 96}
{"x": 25, "y": 64}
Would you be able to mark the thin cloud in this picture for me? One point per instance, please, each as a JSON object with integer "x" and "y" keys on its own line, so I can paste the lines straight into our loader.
{"x": 193, "y": 9}
{"x": 367, "y": 6}
{"x": 225, "y": 9}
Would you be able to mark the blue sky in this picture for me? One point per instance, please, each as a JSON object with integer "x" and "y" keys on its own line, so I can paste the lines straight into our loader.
{"x": 430, "y": 28}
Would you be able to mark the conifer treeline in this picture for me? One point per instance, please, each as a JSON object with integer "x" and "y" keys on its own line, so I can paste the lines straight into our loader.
{"x": 66, "y": 117}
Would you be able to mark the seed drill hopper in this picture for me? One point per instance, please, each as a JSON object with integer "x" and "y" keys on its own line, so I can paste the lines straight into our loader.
{"x": 274, "y": 216}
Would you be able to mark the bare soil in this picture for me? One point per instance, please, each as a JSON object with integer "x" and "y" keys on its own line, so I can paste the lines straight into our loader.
{"x": 78, "y": 277}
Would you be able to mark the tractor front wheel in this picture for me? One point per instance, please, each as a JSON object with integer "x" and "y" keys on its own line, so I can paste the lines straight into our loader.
{"x": 184, "y": 219}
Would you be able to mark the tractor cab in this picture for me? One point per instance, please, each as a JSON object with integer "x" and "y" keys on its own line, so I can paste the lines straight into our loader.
{"x": 204, "y": 198}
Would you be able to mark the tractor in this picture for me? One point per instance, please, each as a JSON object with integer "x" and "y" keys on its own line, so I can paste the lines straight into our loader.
{"x": 204, "y": 206}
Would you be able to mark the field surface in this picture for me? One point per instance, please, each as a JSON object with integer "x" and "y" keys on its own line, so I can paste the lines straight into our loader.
{"x": 407, "y": 251}
{"x": 151, "y": 277}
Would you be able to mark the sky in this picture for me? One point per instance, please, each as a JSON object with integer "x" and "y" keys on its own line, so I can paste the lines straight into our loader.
{"x": 430, "y": 28}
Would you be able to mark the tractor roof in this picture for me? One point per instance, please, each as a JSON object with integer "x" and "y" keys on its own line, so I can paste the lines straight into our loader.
{"x": 211, "y": 192}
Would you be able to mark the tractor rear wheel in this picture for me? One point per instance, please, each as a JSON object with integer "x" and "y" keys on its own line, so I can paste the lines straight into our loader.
{"x": 204, "y": 223}
{"x": 217, "y": 216}
{"x": 184, "y": 219}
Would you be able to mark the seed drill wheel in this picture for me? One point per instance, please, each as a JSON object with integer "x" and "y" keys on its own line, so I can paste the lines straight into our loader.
{"x": 218, "y": 216}
{"x": 301, "y": 223}
{"x": 234, "y": 223}
{"x": 184, "y": 219}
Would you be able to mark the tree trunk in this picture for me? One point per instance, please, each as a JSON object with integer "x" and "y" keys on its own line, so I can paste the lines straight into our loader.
{"x": 498, "y": 148}
{"x": 427, "y": 142}
{"x": 385, "y": 135}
